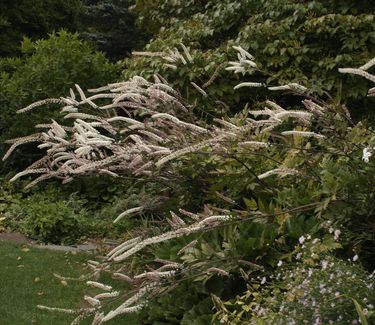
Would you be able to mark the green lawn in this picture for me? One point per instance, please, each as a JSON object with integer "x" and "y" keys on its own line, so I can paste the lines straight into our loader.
{"x": 26, "y": 280}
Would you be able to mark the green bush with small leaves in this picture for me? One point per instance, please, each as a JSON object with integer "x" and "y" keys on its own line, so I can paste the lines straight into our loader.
{"x": 53, "y": 222}
{"x": 300, "y": 41}
{"x": 46, "y": 68}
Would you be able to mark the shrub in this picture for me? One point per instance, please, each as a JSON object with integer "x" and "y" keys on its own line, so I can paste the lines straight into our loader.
{"x": 300, "y": 41}
{"x": 269, "y": 176}
{"x": 308, "y": 285}
{"x": 46, "y": 68}
{"x": 51, "y": 222}
{"x": 10, "y": 205}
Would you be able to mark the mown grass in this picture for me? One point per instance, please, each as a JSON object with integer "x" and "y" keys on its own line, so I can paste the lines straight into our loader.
{"x": 26, "y": 280}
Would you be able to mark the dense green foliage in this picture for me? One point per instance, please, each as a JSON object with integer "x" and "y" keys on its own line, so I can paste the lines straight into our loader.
{"x": 107, "y": 24}
{"x": 301, "y": 41}
{"x": 288, "y": 232}
{"x": 51, "y": 214}
{"x": 34, "y": 19}
{"x": 335, "y": 289}
{"x": 45, "y": 216}
{"x": 45, "y": 69}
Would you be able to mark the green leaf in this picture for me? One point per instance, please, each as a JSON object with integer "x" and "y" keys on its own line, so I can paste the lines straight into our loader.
{"x": 360, "y": 313}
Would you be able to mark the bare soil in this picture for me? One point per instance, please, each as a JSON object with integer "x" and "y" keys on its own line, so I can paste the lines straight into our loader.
{"x": 90, "y": 245}
{"x": 15, "y": 237}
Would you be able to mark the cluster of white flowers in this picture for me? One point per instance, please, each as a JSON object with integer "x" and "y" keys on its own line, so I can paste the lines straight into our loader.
{"x": 245, "y": 61}
{"x": 362, "y": 71}
{"x": 278, "y": 171}
{"x": 151, "y": 135}
{"x": 319, "y": 294}
{"x": 137, "y": 145}
{"x": 366, "y": 154}
{"x": 172, "y": 57}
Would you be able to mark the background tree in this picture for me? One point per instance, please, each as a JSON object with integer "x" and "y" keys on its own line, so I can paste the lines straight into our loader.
{"x": 34, "y": 19}
{"x": 111, "y": 27}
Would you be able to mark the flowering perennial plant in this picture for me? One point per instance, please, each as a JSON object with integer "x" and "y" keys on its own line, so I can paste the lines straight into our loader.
{"x": 146, "y": 130}
{"x": 314, "y": 289}
{"x": 135, "y": 129}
